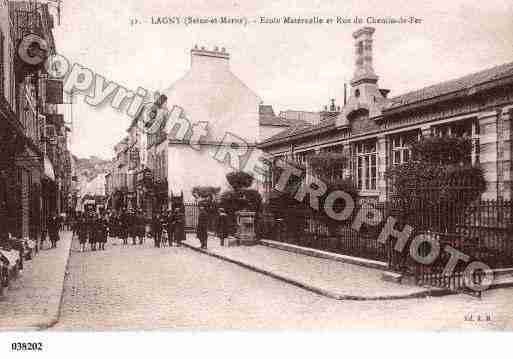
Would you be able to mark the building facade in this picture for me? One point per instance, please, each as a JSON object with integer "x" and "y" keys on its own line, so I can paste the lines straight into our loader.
{"x": 34, "y": 162}
{"x": 210, "y": 96}
{"x": 375, "y": 131}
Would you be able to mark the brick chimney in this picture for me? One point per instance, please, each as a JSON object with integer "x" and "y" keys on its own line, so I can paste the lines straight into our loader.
{"x": 214, "y": 59}
{"x": 364, "y": 71}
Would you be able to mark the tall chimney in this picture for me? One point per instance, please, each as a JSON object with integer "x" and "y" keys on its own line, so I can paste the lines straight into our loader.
{"x": 364, "y": 71}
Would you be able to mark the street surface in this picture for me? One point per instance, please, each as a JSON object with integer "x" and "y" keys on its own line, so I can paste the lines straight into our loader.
{"x": 141, "y": 287}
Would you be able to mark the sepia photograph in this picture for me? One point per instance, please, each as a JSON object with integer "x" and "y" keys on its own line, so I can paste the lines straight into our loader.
{"x": 243, "y": 167}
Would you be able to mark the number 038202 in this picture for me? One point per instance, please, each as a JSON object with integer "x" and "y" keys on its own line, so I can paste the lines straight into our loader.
{"x": 18, "y": 346}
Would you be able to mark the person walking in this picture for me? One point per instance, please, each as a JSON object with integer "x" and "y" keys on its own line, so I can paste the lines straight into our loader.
{"x": 102, "y": 230}
{"x": 170, "y": 225}
{"x": 92, "y": 231}
{"x": 123, "y": 226}
{"x": 141, "y": 226}
{"x": 223, "y": 226}
{"x": 202, "y": 229}
{"x": 157, "y": 229}
{"x": 53, "y": 230}
{"x": 82, "y": 232}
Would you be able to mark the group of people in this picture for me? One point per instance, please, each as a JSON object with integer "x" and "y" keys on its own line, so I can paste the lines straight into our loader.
{"x": 166, "y": 228}
{"x": 92, "y": 228}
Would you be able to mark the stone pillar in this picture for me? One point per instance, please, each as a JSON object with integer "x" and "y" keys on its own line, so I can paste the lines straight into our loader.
{"x": 506, "y": 152}
{"x": 488, "y": 151}
{"x": 246, "y": 228}
{"x": 382, "y": 148}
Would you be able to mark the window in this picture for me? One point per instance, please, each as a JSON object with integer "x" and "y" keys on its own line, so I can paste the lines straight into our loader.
{"x": 359, "y": 47}
{"x": 337, "y": 171}
{"x": 468, "y": 128}
{"x": 401, "y": 146}
{"x": 366, "y": 165}
{"x": 302, "y": 157}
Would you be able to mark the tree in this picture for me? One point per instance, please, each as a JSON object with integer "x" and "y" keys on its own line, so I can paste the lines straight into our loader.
{"x": 205, "y": 193}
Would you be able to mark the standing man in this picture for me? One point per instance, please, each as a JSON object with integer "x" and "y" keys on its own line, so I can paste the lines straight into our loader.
{"x": 141, "y": 226}
{"x": 170, "y": 227}
{"x": 82, "y": 232}
{"x": 93, "y": 231}
{"x": 179, "y": 226}
{"x": 157, "y": 229}
{"x": 222, "y": 226}
{"x": 53, "y": 230}
{"x": 202, "y": 230}
{"x": 102, "y": 233}
{"x": 123, "y": 228}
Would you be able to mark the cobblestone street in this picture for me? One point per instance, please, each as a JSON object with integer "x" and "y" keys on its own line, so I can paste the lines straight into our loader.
{"x": 141, "y": 287}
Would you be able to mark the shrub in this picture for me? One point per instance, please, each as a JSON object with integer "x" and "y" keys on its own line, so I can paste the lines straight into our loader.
{"x": 442, "y": 150}
{"x": 239, "y": 180}
{"x": 434, "y": 191}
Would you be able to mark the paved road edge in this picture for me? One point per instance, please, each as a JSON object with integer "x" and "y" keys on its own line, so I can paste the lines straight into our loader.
{"x": 428, "y": 292}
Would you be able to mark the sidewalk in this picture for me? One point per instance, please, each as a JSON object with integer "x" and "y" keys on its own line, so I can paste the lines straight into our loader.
{"x": 32, "y": 301}
{"x": 334, "y": 279}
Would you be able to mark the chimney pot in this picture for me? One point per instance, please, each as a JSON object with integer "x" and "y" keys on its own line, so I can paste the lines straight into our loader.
{"x": 223, "y": 50}
{"x": 203, "y": 47}
{"x": 216, "y": 48}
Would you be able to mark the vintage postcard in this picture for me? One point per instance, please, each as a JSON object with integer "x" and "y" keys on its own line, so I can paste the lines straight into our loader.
{"x": 255, "y": 165}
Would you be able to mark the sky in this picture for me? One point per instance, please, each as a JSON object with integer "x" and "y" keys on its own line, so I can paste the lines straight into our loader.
{"x": 290, "y": 66}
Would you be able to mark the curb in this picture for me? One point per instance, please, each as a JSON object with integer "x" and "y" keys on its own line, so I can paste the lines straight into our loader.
{"x": 430, "y": 292}
{"x": 54, "y": 319}
{"x": 326, "y": 255}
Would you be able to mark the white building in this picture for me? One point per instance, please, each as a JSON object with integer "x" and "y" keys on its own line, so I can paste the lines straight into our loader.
{"x": 211, "y": 94}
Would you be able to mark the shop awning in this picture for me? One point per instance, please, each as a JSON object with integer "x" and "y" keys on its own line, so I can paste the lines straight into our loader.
{"x": 48, "y": 167}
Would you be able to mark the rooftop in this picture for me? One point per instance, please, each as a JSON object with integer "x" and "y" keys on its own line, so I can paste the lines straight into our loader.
{"x": 267, "y": 117}
{"x": 414, "y": 97}
{"x": 447, "y": 87}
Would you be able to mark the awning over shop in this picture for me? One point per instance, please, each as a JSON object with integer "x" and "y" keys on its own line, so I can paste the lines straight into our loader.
{"x": 48, "y": 167}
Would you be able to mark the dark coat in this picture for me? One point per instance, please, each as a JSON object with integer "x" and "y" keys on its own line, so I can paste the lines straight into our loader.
{"x": 202, "y": 230}
{"x": 53, "y": 229}
{"x": 223, "y": 225}
{"x": 141, "y": 225}
{"x": 156, "y": 225}
{"x": 124, "y": 221}
{"x": 179, "y": 227}
{"x": 82, "y": 230}
{"x": 101, "y": 231}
